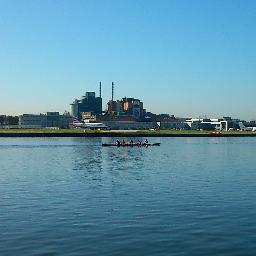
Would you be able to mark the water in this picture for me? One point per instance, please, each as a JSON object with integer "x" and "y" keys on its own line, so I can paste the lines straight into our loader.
{"x": 70, "y": 196}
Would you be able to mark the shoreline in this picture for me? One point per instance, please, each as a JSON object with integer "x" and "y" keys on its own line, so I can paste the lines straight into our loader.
{"x": 67, "y": 133}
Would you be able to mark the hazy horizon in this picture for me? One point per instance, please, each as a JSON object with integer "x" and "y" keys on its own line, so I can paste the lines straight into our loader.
{"x": 186, "y": 58}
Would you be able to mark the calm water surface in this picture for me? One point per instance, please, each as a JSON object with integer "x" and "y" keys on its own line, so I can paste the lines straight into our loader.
{"x": 70, "y": 196}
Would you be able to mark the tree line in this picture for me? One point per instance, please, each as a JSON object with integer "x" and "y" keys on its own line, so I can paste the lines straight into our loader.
{"x": 9, "y": 120}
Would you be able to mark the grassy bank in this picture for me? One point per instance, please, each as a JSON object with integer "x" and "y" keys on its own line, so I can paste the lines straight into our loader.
{"x": 77, "y": 132}
{"x": 194, "y": 132}
{"x": 47, "y": 131}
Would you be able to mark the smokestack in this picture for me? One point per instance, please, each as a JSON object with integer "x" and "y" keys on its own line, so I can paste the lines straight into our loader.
{"x": 112, "y": 91}
{"x": 100, "y": 89}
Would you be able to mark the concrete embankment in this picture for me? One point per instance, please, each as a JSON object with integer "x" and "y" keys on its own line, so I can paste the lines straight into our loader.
{"x": 121, "y": 134}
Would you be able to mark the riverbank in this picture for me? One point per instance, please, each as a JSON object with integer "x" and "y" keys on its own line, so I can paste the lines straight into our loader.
{"x": 118, "y": 133}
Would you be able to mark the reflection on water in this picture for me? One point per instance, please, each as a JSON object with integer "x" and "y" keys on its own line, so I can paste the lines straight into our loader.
{"x": 88, "y": 157}
{"x": 70, "y": 196}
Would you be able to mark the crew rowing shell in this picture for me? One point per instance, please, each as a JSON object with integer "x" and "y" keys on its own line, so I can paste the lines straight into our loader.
{"x": 130, "y": 145}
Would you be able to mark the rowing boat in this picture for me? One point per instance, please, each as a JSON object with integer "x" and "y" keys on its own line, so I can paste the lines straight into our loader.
{"x": 130, "y": 145}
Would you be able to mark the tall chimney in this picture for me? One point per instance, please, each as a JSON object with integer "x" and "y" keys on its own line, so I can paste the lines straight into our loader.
{"x": 112, "y": 91}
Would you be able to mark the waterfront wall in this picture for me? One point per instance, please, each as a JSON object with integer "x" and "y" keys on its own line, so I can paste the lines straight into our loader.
{"x": 122, "y": 134}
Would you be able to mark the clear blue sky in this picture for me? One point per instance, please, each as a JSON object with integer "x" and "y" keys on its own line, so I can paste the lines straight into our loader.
{"x": 188, "y": 58}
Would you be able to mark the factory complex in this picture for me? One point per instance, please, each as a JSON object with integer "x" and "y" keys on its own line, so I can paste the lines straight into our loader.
{"x": 127, "y": 113}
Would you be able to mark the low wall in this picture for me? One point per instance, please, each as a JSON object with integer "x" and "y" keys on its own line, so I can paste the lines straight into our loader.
{"x": 121, "y": 134}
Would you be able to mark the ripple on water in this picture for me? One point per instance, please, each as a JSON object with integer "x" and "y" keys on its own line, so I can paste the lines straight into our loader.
{"x": 70, "y": 196}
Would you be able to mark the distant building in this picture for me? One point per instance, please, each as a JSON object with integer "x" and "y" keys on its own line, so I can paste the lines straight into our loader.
{"x": 173, "y": 124}
{"x": 128, "y": 107}
{"x": 88, "y": 116}
{"x": 114, "y": 107}
{"x": 32, "y": 121}
{"x": 248, "y": 126}
{"x": 223, "y": 124}
{"x": 50, "y": 119}
{"x": 88, "y": 103}
{"x": 130, "y": 125}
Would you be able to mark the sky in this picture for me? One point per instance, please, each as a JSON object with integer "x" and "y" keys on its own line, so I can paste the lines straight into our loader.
{"x": 182, "y": 57}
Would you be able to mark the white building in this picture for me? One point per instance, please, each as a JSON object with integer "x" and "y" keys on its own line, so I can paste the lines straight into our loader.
{"x": 223, "y": 124}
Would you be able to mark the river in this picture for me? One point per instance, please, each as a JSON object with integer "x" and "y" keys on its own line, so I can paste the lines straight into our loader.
{"x": 70, "y": 196}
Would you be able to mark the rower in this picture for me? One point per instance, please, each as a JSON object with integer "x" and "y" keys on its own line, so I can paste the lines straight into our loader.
{"x": 146, "y": 141}
{"x": 123, "y": 142}
{"x": 118, "y": 143}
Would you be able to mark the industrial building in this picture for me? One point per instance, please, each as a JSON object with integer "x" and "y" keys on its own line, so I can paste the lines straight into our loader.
{"x": 129, "y": 107}
{"x": 126, "y": 106}
{"x": 88, "y": 103}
